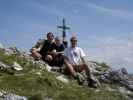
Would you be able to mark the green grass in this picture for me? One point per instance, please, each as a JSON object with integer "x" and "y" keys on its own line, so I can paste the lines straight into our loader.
{"x": 31, "y": 85}
{"x": 35, "y": 87}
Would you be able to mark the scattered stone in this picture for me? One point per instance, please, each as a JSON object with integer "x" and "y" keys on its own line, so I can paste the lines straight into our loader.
{"x": 1, "y": 94}
{"x": 124, "y": 71}
{"x": 17, "y": 67}
{"x": 93, "y": 65}
{"x": 110, "y": 89}
{"x": 62, "y": 78}
{"x": 3, "y": 66}
{"x": 124, "y": 90}
{"x": 130, "y": 87}
{"x": 97, "y": 90}
{"x": 38, "y": 73}
{"x": 38, "y": 64}
{"x": 120, "y": 76}
{"x": 12, "y": 50}
{"x": 127, "y": 93}
{"x": 48, "y": 68}
{"x": 11, "y": 96}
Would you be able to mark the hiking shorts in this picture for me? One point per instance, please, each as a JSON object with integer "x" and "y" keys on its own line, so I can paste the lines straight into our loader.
{"x": 58, "y": 60}
{"x": 79, "y": 68}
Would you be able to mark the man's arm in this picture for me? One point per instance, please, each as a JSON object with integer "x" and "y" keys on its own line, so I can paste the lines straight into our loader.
{"x": 38, "y": 45}
{"x": 84, "y": 60}
{"x": 83, "y": 57}
{"x": 54, "y": 52}
{"x": 61, "y": 51}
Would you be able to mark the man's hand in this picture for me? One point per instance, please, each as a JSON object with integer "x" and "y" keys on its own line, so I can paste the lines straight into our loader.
{"x": 48, "y": 58}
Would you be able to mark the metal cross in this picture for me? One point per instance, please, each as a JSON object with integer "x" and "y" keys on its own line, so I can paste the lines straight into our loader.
{"x": 64, "y": 28}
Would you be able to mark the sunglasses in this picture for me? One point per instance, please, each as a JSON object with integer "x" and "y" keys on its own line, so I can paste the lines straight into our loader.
{"x": 73, "y": 40}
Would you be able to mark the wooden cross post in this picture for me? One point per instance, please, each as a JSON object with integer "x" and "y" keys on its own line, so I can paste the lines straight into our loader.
{"x": 64, "y": 28}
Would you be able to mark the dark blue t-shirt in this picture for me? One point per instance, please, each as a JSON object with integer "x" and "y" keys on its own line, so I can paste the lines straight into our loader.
{"x": 59, "y": 48}
{"x": 47, "y": 47}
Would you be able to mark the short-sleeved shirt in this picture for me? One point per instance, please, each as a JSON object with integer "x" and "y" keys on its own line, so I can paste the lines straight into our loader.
{"x": 74, "y": 55}
{"x": 59, "y": 48}
{"x": 47, "y": 47}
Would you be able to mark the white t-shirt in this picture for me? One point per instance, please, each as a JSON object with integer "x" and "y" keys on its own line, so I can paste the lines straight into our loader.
{"x": 74, "y": 55}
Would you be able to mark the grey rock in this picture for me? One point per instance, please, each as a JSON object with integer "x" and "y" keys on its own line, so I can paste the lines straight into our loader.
{"x": 30, "y": 60}
{"x": 11, "y": 96}
{"x": 3, "y": 66}
{"x": 17, "y": 67}
{"x": 12, "y": 50}
{"x": 62, "y": 78}
{"x": 110, "y": 89}
{"x": 127, "y": 93}
{"x": 1, "y": 94}
{"x": 93, "y": 68}
{"x": 124, "y": 71}
{"x": 26, "y": 56}
{"x": 120, "y": 76}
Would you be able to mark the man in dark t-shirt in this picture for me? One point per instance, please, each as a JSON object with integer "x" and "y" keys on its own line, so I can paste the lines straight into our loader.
{"x": 58, "y": 52}
{"x": 47, "y": 48}
{"x": 43, "y": 49}
{"x": 59, "y": 46}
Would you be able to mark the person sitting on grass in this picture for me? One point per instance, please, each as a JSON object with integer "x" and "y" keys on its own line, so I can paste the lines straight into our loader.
{"x": 49, "y": 50}
{"x": 58, "y": 58}
{"x": 43, "y": 50}
{"x": 76, "y": 62}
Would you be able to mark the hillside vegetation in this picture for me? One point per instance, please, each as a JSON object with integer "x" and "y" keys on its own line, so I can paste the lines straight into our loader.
{"x": 36, "y": 83}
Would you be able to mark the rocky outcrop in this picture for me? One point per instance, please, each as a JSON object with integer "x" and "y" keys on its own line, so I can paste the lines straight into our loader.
{"x": 120, "y": 76}
{"x": 104, "y": 74}
{"x": 12, "y": 50}
{"x": 10, "y": 96}
{"x": 3, "y": 66}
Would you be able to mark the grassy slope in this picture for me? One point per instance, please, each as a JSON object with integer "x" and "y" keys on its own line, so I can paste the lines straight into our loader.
{"x": 35, "y": 86}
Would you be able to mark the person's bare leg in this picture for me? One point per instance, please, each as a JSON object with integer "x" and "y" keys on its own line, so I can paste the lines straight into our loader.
{"x": 88, "y": 72}
{"x": 70, "y": 68}
{"x": 92, "y": 81}
{"x": 36, "y": 55}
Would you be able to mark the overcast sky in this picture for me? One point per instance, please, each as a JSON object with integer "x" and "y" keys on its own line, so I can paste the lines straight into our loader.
{"x": 104, "y": 27}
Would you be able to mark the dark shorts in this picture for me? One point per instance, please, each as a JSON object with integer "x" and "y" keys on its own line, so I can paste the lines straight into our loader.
{"x": 58, "y": 60}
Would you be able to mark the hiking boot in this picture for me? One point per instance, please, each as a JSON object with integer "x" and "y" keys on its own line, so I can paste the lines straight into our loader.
{"x": 80, "y": 78}
{"x": 92, "y": 83}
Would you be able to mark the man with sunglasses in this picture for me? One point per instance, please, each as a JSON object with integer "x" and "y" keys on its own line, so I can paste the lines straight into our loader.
{"x": 76, "y": 62}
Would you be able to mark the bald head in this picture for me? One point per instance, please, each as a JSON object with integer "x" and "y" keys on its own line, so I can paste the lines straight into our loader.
{"x": 58, "y": 41}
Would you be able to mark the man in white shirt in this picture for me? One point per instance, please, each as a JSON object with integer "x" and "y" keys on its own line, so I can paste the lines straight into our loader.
{"x": 76, "y": 60}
